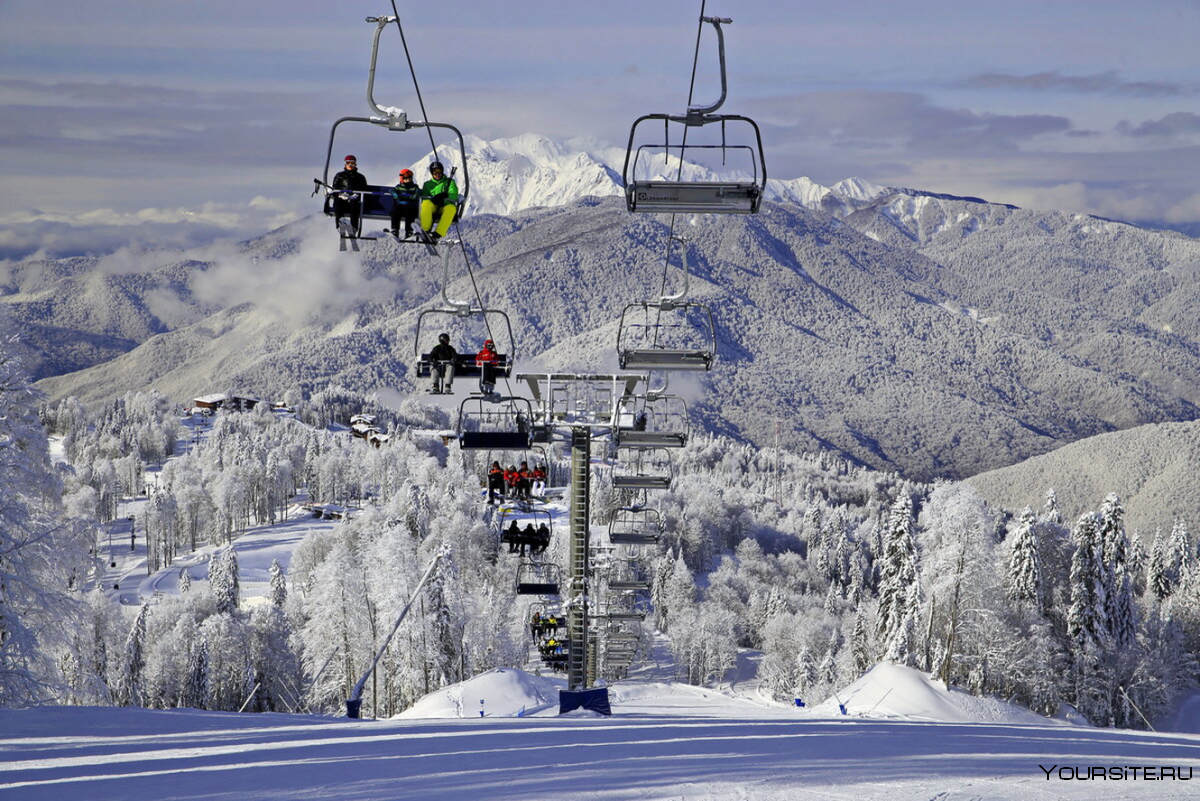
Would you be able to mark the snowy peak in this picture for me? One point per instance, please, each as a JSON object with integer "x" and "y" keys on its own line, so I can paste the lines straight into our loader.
{"x": 531, "y": 170}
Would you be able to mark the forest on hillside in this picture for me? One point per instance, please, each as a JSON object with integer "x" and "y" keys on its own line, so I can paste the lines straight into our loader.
{"x": 824, "y": 567}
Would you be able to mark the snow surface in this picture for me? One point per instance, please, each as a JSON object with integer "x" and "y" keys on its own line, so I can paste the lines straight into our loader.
{"x": 904, "y": 737}
{"x": 893, "y": 734}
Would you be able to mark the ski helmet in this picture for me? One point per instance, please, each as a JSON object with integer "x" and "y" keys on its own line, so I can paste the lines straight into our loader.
{"x": 444, "y": 339}
{"x": 406, "y": 173}
{"x": 436, "y": 165}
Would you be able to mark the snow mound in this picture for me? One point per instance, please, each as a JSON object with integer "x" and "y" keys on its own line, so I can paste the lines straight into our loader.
{"x": 893, "y": 691}
{"x": 499, "y": 693}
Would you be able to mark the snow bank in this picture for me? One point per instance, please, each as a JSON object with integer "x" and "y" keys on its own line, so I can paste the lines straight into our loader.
{"x": 893, "y": 691}
{"x": 499, "y": 693}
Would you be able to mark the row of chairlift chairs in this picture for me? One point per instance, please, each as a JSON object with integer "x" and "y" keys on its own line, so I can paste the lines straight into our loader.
{"x": 669, "y": 334}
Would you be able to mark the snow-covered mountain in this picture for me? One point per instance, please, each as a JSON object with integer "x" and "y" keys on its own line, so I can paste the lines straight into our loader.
{"x": 528, "y": 171}
{"x": 842, "y": 342}
{"x": 905, "y": 330}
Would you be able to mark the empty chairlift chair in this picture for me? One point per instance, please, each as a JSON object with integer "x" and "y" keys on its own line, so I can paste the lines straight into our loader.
{"x": 716, "y": 159}
{"x": 668, "y": 334}
{"x": 652, "y": 421}
{"x": 635, "y": 525}
{"x": 538, "y": 578}
{"x": 495, "y": 424}
{"x": 642, "y": 468}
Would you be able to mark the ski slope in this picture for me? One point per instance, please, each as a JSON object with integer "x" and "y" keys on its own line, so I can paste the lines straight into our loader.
{"x": 663, "y": 741}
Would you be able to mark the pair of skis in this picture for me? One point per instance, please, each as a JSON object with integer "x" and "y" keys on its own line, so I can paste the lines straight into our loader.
{"x": 347, "y": 234}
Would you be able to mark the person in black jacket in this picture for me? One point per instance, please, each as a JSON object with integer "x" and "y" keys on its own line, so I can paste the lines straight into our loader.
{"x": 441, "y": 365}
{"x": 347, "y": 200}
{"x": 495, "y": 482}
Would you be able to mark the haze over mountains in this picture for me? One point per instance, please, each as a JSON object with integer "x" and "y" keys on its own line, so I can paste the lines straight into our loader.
{"x": 934, "y": 336}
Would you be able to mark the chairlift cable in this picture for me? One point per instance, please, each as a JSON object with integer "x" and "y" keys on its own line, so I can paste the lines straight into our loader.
{"x": 433, "y": 146}
{"x": 413, "y": 72}
{"x": 679, "y": 174}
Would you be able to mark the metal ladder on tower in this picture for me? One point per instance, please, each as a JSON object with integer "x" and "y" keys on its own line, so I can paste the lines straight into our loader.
{"x": 577, "y": 600}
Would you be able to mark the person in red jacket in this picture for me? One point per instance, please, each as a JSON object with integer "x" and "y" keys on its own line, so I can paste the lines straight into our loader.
{"x": 510, "y": 480}
{"x": 488, "y": 360}
{"x": 539, "y": 481}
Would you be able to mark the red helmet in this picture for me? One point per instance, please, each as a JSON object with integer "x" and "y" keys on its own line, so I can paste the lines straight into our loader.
{"x": 489, "y": 344}
{"x": 406, "y": 173}
{"x": 351, "y": 158}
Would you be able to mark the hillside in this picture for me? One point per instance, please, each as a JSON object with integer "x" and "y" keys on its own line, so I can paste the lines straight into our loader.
{"x": 927, "y": 334}
{"x": 845, "y": 341}
{"x": 1152, "y": 468}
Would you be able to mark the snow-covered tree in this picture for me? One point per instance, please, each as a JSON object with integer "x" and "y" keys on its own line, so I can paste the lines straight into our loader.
{"x": 278, "y": 584}
{"x": 43, "y": 556}
{"x": 1024, "y": 575}
{"x": 1087, "y": 619}
{"x": 898, "y": 588}
{"x": 224, "y": 578}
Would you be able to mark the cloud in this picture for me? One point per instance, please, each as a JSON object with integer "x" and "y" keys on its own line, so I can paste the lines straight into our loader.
{"x": 1175, "y": 124}
{"x": 26, "y": 232}
{"x": 316, "y": 281}
{"x": 1109, "y": 83}
{"x": 864, "y": 119}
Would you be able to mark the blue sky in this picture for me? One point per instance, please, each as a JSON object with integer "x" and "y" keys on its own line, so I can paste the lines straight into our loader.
{"x": 173, "y": 123}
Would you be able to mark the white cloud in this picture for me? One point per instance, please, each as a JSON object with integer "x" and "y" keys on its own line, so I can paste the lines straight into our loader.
{"x": 316, "y": 282}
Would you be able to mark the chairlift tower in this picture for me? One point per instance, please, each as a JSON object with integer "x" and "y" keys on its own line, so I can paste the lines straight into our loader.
{"x": 574, "y": 407}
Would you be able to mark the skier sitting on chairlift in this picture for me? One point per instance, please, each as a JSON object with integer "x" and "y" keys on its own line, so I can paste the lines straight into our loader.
{"x": 406, "y": 197}
{"x": 495, "y": 483}
{"x": 487, "y": 359}
{"x": 347, "y": 201}
{"x": 513, "y": 535}
{"x": 440, "y": 195}
{"x": 524, "y": 481}
{"x": 541, "y": 539}
{"x": 441, "y": 366}
{"x": 539, "y": 481}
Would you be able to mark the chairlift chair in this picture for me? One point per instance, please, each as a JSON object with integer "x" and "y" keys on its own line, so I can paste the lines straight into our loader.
{"x": 537, "y": 518}
{"x": 667, "y": 335}
{"x": 376, "y": 201}
{"x": 642, "y": 468}
{"x": 458, "y": 316}
{"x": 635, "y": 525}
{"x": 487, "y": 423}
{"x": 739, "y": 191}
{"x": 652, "y": 421}
{"x": 538, "y": 578}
